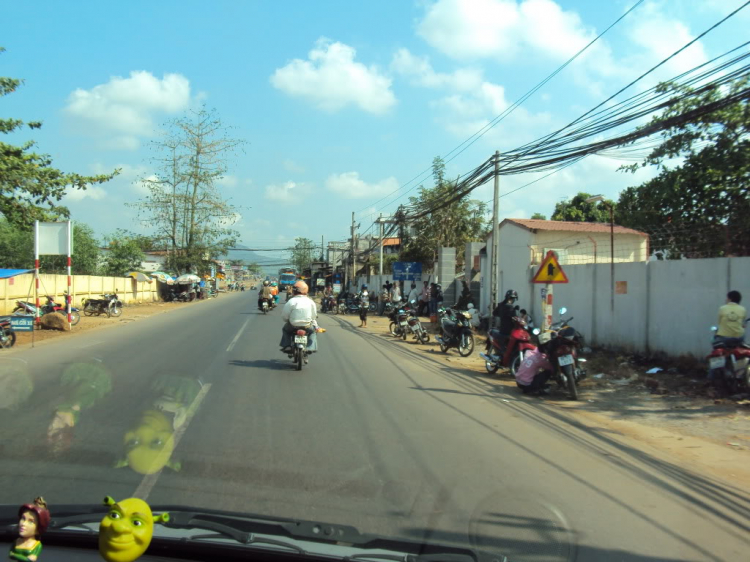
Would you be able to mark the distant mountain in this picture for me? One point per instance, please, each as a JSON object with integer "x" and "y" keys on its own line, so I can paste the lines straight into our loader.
{"x": 274, "y": 259}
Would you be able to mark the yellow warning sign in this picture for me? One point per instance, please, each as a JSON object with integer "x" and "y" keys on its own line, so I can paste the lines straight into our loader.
{"x": 550, "y": 271}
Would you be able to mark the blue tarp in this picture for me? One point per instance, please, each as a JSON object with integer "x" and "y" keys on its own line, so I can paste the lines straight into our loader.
{"x": 5, "y": 273}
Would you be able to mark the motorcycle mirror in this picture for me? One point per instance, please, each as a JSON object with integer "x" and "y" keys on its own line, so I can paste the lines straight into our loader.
{"x": 563, "y": 310}
{"x": 536, "y": 331}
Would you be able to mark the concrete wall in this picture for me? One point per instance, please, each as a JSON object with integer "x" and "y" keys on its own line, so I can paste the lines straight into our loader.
{"x": 446, "y": 273}
{"x": 661, "y": 306}
{"x": 83, "y": 286}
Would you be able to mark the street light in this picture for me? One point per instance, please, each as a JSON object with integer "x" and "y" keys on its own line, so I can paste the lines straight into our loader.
{"x": 601, "y": 198}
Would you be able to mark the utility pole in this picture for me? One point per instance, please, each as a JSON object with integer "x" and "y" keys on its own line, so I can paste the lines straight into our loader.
{"x": 495, "y": 232}
{"x": 351, "y": 279}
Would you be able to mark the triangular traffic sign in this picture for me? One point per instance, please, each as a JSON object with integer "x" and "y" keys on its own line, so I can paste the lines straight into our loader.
{"x": 550, "y": 271}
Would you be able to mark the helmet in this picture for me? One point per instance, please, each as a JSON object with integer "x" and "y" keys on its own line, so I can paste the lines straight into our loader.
{"x": 265, "y": 283}
{"x": 300, "y": 288}
{"x": 511, "y": 294}
{"x": 274, "y": 284}
{"x": 364, "y": 286}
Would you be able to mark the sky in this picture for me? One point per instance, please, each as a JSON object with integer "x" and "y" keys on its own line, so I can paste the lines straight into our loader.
{"x": 343, "y": 105}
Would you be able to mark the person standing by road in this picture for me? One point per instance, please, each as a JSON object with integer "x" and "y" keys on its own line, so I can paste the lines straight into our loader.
{"x": 413, "y": 295}
{"x": 396, "y": 294}
{"x": 424, "y": 299}
{"x": 385, "y": 297}
{"x": 364, "y": 305}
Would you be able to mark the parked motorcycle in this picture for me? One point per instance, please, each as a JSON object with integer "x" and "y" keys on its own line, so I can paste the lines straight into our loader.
{"x": 415, "y": 325}
{"x": 110, "y": 305}
{"x": 729, "y": 365}
{"x": 511, "y": 354}
{"x": 52, "y": 306}
{"x": 25, "y": 307}
{"x": 561, "y": 344}
{"x": 399, "y": 325}
{"x": 7, "y": 335}
{"x": 456, "y": 331}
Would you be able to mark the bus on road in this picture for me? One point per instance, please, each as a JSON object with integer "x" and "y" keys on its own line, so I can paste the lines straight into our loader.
{"x": 287, "y": 277}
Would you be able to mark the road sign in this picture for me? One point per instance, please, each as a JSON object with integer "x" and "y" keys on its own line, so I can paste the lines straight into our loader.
{"x": 550, "y": 271}
{"x": 407, "y": 271}
{"x": 22, "y": 323}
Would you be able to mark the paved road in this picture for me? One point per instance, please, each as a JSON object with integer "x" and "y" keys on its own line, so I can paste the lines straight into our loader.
{"x": 373, "y": 433}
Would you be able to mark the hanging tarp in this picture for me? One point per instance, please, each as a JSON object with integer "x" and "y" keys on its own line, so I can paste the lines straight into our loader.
{"x": 5, "y": 273}
{"x": 187, "y": 279}
{"x": 163, "y": 277}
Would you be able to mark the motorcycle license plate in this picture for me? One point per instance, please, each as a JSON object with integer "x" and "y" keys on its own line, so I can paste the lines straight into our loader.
{"x": 716, "y": 363}
{"x": 403, "y": 323}
{"x": 565, "y": 360}
{"x": 300, "y": 339}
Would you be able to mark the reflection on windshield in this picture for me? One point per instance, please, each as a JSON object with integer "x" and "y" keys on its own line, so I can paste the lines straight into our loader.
{"x": 82, "y": 386}
{"x": 150, "y": 442}
{"x": 15, "y": 384}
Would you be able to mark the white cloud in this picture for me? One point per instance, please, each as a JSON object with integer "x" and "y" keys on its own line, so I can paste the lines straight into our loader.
{"x": 331, "y": 79}
{"x": 350, "y": 185}
{"x": 142, "y": 186}
{"x": 124, "y": 109}
{"x": 92, "y": 192}
{"x": 420, "y": 72}
{"x": 288, "y": 192}
{"x": 292, "y": 166}
{"x": 471, "y": 29}
{"x": 228, "y": 180}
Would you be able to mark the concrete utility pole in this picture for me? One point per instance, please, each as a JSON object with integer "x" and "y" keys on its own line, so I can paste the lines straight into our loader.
{"x": 351, "y": 279}
{"x": 495, "y": 232}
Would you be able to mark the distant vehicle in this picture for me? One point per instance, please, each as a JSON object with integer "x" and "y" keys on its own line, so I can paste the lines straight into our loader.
{"x": 287, "y": 277}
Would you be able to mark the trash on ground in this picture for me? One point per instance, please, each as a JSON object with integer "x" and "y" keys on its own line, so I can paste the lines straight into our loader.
{"x": 654, "y": 371}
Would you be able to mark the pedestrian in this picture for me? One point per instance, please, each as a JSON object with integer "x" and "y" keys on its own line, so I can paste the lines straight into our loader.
{"x": 396, "y": 294}
{"x": 364, "y": 305}
{"x": 413, "y": 295}
{"x": 385, "y": 297}
{"x": 433, "y": 299}
{"x": 388, "y": 285}
{"x": 424, "y": 299}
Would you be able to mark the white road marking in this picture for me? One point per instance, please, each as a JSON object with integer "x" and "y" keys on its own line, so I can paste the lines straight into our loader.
{"x": 237, "y": 337}
{"x": 149, "y": 481}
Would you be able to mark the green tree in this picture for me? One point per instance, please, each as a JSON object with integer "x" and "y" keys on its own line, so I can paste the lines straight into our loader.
{"x": 539, "y": 216}
{"x": 184, "y": 207}
{"x": 124, "y": 254}
{"x": 17, "y": 250}
{"x": 578, "y": 210}
{"x": 302, "y": 254}
{"x": 452, "y": 226}
{"x": 30, "y": 188}
{"x": 702, "y": 204}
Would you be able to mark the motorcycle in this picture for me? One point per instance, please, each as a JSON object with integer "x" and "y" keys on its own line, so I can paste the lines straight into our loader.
{"x": 455, "y": 327}
{"x": 329, "y": 305}
{"x": 264, "y": 306}
{"x": 52, "y": 306}
{"x": 25, "y": 307}
{"x": 729, "y": 365}
{"x": 7, "y": 335}
{"x": 511, "y": 354}
{"x": 415, "y": 325}
{"x": 300, "y": 352}
{"x": 109, "y": 305}
{"x": 561, "y": 343}
{"x": 399, "y": 325}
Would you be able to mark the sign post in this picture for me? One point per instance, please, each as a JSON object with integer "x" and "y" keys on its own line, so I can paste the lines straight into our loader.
{"x": 550, "y": 273}
{"x": 53, "y": 239}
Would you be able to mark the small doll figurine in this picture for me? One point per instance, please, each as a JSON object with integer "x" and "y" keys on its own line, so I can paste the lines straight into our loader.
{"x": 33, "y": 521}
{"x": 126, "y": 531}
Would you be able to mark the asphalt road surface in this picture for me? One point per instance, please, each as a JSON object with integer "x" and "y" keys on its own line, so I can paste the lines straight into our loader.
{"x": 198, "y": 407}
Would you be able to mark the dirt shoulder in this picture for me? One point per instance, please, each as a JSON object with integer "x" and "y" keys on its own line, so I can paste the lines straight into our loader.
{"x": 673, "y": 410}
{"x": 130, "y": 313}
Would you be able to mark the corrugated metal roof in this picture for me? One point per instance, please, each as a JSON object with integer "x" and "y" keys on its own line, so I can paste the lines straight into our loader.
{"x": 571, "y": 226}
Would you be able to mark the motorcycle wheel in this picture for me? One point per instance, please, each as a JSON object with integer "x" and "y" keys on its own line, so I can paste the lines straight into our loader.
{"x": 424, "y": 337}
{"x": 116, "y": 310}
{"x": 75, "y": 318}
{"x": 392, "y": 328}
{"x": 88, "y": 310}
{"x": 443, "y": 347}
{"x": 516, "y": 364}
{"x": 10, "y": 342}
{"x": 491, "y": 367}
{"x": 404, "y": 333}
{"x": 298, "y": 358}
{"x": 571, "y": 381}
{"x": 466, "y": 350}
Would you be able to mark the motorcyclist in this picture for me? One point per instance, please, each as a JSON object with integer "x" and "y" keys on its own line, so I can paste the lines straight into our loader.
{"x": 265, "y": 294}
{"x": 275, "y": 293}
{"x": 731, "y": 317}
{"x": 299, "y": 312}
{"x": 506, "y": 311}
{"x": 364, "y": 305}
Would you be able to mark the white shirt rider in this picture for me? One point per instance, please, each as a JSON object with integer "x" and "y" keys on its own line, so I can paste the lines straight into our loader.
{"x": 300, "y": 310}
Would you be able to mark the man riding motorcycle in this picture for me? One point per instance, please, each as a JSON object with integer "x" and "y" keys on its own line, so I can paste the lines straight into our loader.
{"x": 265, "y": 294}
{"x": 299, "y": 312}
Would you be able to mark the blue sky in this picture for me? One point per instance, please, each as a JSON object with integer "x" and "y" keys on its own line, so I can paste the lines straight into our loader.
{"x": 340, "y": 102}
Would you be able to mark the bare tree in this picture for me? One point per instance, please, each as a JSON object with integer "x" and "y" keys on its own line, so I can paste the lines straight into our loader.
{"x": 184, "y": 206}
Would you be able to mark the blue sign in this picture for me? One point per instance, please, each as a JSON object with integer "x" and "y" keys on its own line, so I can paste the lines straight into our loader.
{"x": 22, "y": 323}
{"x": 407, "y": 271}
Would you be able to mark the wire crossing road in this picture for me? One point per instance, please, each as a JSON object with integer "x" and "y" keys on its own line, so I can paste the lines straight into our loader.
{"x": 198, "y": 408}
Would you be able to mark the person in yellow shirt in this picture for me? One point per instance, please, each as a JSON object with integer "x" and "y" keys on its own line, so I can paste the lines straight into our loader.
{"x": 732, "y": 319}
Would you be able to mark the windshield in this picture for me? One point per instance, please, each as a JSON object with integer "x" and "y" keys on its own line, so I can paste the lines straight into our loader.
{"x": 160, "y": 160}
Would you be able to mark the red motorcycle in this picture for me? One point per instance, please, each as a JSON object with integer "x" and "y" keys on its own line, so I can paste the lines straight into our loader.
{"x": 729, "y": 365}
{"x": 52, "y": 306}
{"x": 511, "y": 355}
